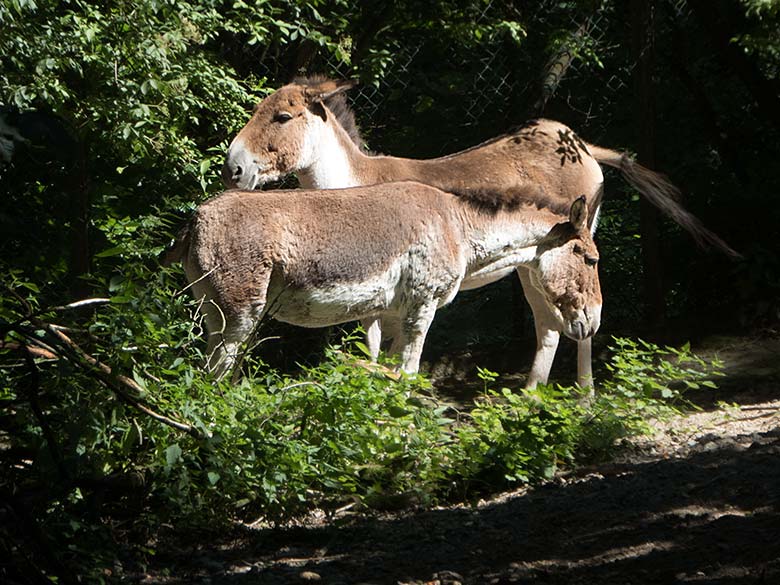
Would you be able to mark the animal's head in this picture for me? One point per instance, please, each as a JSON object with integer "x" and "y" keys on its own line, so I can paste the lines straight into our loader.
{"x": 566, "y": 273}
{"x": 279, "y": 137}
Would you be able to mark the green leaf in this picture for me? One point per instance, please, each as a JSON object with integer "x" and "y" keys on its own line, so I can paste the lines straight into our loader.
{"x": 115, "y": 251}
{"x": 363, "y": 348}
{"x": 397, "y": 411}
{"x": 172, "y": 454}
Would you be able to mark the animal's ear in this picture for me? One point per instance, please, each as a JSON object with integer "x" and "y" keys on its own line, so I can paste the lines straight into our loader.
{"x": 330, "y": 87}
{"x": 578, "y": 214}
{"x": 318, "y": 109}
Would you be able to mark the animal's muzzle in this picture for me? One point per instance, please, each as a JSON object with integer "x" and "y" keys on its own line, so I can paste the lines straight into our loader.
{"x": 241, "y": 167}
{"x": 231, "y": 174}
{"x": 584, "y": 324}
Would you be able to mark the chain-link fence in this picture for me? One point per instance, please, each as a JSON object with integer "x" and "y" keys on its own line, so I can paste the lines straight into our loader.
{"x": 434, "y": 98}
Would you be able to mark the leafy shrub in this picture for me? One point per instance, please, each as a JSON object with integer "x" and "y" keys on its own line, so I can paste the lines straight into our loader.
{"x": 107, "y": 415}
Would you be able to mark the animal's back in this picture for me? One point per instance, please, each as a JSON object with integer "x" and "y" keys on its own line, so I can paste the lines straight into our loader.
{"x": 317, "y": 236}
{"x": 543, "y": 162}
{"x": 325, "y": 257}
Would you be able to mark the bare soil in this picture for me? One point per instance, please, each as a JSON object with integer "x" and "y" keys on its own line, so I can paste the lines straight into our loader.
{"x": 697, "y": 502}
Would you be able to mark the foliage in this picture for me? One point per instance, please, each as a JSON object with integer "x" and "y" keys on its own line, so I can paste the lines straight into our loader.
{"x": 275, "y": 444}
{"x": 647, "y": 382}
{"x": 527, "y": 436}
{"x": 106, "y": 421}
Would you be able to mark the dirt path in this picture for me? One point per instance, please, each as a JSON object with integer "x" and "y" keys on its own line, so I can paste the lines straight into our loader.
{"x": 697, "y": 503}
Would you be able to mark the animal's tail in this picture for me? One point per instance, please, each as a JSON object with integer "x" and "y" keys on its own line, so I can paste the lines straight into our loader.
{"x": 177, "y": 251}
{"x": 661, "y": 193}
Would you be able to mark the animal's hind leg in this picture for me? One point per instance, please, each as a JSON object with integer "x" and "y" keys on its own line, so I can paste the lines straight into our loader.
{"x": 225, "y": 342}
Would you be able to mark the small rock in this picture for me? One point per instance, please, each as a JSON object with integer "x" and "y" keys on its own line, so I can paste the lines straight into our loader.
{"x": 448, "y": 578}
{"x": 310, "y": 576}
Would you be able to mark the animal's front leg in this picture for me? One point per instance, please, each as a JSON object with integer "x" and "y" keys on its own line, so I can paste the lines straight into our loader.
{"x": 410, "y": 338}
{"x": 373, "y": 328}
{"x": 546, "y": 346}
{"x": 547, "y": 333}
{"x": 585, "y": 366}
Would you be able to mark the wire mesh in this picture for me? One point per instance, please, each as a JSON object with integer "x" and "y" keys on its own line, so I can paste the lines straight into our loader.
{"x": 488, "y": 87}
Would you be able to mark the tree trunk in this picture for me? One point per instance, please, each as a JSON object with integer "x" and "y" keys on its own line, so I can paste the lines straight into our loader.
{"x": 643, "y": 50}
{"x": 558, "y": 64}
{"x": 80, "y": 255}
{"x": 714, "y": 17}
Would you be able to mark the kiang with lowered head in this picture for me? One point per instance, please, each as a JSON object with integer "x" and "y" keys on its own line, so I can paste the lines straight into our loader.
{"x": 307, "y": 128}
{"x": 306, "y": 258}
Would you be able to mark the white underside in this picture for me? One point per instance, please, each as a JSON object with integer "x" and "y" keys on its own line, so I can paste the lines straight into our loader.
{"x": 336, "y": 303}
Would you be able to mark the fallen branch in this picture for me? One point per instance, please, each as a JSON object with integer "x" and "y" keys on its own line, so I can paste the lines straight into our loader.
{"x": 37, "y": 352}
{"x": 61, "y": 346}
{"x": 118, "y": 382}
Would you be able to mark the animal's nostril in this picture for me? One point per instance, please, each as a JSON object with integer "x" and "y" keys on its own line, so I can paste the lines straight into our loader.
{"x": 238, "y": 172}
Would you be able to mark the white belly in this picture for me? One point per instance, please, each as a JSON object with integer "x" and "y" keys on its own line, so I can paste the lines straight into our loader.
{"x": 335, "y": 302}
{"x": 332, "y": 304}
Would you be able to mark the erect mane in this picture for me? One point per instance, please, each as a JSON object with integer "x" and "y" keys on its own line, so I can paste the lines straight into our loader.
{"x": 337, "y": 104}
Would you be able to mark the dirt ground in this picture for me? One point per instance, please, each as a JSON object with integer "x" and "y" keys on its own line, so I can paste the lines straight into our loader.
{"x": 698, "y": 502}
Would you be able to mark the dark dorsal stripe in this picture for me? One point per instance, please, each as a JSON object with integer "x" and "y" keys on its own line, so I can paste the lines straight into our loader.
{"x": 492, "y": 199}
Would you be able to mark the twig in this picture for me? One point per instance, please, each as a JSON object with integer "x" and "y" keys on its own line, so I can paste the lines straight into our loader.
{"x": 37, "y": 352}
{"x": 31, "y": 315}
{"x": 194, "y": 282}
{"x": 118, "y": 383}
{"x": 34, "y": 387}
{"x": 80, "y": 304}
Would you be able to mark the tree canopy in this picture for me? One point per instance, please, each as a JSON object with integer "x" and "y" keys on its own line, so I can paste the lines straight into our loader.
{"x": 114, "y": 120}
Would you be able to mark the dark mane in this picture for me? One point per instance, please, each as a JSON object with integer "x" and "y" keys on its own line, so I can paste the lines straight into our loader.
{"x": 337, "y": 104}
{"x": 491, "y": 199}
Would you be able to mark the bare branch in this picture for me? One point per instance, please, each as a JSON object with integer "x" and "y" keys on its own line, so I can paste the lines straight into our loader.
{"x": 62, "y": 346}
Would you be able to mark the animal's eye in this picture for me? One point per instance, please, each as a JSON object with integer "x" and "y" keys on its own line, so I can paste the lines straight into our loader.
{"x": 283, "y": 117}
{"x": 578, "y": 249}
{"x": 591, "y": 260}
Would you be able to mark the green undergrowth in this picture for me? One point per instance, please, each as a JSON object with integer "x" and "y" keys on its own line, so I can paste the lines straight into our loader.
{"x": 83, "y": 453}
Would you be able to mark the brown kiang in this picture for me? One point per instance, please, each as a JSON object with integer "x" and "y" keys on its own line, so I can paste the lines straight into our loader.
{"x": 306, "y": 128}
{"x": 306, "y": 258}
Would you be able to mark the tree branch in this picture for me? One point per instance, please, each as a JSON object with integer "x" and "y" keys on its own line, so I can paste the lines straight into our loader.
{"x": 61, "y": 346}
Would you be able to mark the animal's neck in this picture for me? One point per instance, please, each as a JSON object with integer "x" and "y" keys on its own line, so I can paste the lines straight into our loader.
{"x": 520, "y": 231}
{"x": 329, "y": 159}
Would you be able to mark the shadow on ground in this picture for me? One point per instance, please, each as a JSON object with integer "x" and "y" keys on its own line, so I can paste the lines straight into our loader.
{"x": 709, "y": 517}
{"x": 713, "y": 518}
